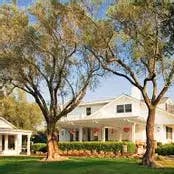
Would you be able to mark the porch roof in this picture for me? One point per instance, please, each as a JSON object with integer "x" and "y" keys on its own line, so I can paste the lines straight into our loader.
{"x": 14, "y": 131}
{"x": 107, "y": 122}
{"x": 7, "y": 128}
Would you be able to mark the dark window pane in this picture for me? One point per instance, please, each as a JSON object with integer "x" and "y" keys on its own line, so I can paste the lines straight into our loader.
{"x": 168, "y": 133}
{"x": 120, "y": 108}
{"x": 128, "y": 108}
{"x": 88, "y": 111}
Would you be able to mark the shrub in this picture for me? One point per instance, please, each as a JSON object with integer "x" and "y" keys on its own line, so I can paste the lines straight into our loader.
{"x": 97, "y": 146}
{"x": 89, "y": 146}
{"x": 39, "y": 147}
{"x": 166, "y": 149}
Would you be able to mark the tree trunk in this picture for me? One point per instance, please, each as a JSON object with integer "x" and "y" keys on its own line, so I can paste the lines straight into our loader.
{"x": 52, "y": 142}
{"x": 148, "y": 158}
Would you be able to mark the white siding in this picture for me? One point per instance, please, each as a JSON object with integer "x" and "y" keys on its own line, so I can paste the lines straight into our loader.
{"x": 163, "y": 105}
{"x": 140, "y": 133}
{"x": 80, "y": 111}
{"x": 64, "y": 135}
{"x": 109, "y": 110}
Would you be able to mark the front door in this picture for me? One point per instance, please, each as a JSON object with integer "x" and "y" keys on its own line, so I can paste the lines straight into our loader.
{"x": 71, "y": 137}
{"x": 89, "y": 134}
{"x": 106, "y": 134}
{"x": 77, "y": 136}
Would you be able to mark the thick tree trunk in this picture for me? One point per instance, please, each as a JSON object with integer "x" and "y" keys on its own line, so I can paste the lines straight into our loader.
{"x": 52, "y": 142}
{"x": 148, "y": 158}
{"x": 53, "y": 151}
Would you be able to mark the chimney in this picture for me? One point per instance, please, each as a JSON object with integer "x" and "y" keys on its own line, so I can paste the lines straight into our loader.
{"x": 136, "y": 93}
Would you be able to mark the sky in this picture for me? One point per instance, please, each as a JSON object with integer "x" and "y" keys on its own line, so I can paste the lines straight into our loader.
{"x": 109, "y": 87}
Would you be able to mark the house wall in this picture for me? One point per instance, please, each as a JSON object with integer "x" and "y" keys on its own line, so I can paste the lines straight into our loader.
{"x": 64, "y": 135}
{"x": 108, "y": 110}
{"x": 80, "y": 111}
{"x": 160, "y": 134}
{"x": 163, "y": 105}
{"x": 140, "y": 133}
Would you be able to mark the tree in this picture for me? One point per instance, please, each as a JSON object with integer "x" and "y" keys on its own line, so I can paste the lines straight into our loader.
{"x": 18, "y": 111}
{"x": 131, "y": 44}
{"x": 44, "y": 59}
{"x": 168, "y": 28}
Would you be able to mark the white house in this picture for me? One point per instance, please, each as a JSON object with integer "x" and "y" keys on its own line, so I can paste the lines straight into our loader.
{"x": 117, "y": 119}
{"x": 13, "y": 141}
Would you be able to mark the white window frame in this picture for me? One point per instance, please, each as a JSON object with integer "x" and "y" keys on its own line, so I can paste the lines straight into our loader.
{"x": 124, "y": 108}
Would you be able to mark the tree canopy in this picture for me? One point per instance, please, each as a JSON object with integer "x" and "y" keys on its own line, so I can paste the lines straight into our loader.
{"x": 18, "y": 111}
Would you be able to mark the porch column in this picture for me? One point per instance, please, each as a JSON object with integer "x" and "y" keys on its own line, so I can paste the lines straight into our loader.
{"x": 19, "y": 143}
{"x": 0, "y": 142}
{"x": 133, "y": 132}
{"x": 103, "y": 134}
{"x": 28, "y": 144}
{"x": 80, "y": 134}
{"x": 6, "y": 143}
{"x": 16, "y": 143}
{"x": 120, "y": 134}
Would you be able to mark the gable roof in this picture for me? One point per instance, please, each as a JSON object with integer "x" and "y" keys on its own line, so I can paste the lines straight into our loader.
{"x": 106, "y": 101}
{"x": 7, "y": 127}
{"x": 99, "y": 113}
{"x": 96, "y": 102}
{"x": 6, "y": 124}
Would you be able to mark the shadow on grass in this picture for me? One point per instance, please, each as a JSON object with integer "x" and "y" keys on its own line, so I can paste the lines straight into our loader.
{"x": 23, "y": 165}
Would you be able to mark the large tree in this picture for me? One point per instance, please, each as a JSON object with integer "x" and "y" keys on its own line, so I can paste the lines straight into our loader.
{"x": 44, "y": 59}
{"x": 131, "y": 44}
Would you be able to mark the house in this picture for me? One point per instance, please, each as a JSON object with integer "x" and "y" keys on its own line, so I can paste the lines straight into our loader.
{"x": 13, "y": 141}
{"x": 118, "y": 119}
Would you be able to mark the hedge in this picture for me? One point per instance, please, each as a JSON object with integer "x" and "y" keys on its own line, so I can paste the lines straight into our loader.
{"x": 91, "y": 146}
{"x": 39, "y": 147}
{"x": 166, "y": 149}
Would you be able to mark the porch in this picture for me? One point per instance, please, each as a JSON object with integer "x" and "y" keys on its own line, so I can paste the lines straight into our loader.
{"x": 14, "y": 142}
{"x": 110, "y": 129}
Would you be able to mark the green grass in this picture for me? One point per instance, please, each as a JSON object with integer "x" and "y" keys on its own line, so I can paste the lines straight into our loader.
{"x": 24, "y": 165}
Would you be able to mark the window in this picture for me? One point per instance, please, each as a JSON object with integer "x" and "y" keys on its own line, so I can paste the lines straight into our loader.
{"x": 88, "y": 111}
{"x": 120, "y": 108}
{"x": 168, "y": 133}
{"x": 128, "y": 108}
{"x": 11, "y": 142}
{"x": 124, "y": 108}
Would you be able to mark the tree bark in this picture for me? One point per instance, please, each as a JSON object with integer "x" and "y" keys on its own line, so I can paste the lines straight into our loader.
{"x": 148, "y": 158}
{"x": 52, "y": 142}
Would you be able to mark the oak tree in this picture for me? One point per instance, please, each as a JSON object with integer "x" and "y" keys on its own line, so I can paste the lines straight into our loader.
{"x": 44, "y": 58}
{"x": 130, "y": 43}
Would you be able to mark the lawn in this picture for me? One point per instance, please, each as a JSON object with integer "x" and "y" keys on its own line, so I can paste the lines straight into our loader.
{"x": 24, "y": 165}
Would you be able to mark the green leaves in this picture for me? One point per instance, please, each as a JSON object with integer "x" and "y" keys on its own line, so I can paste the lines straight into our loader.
{"x": 21, "y": 113}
